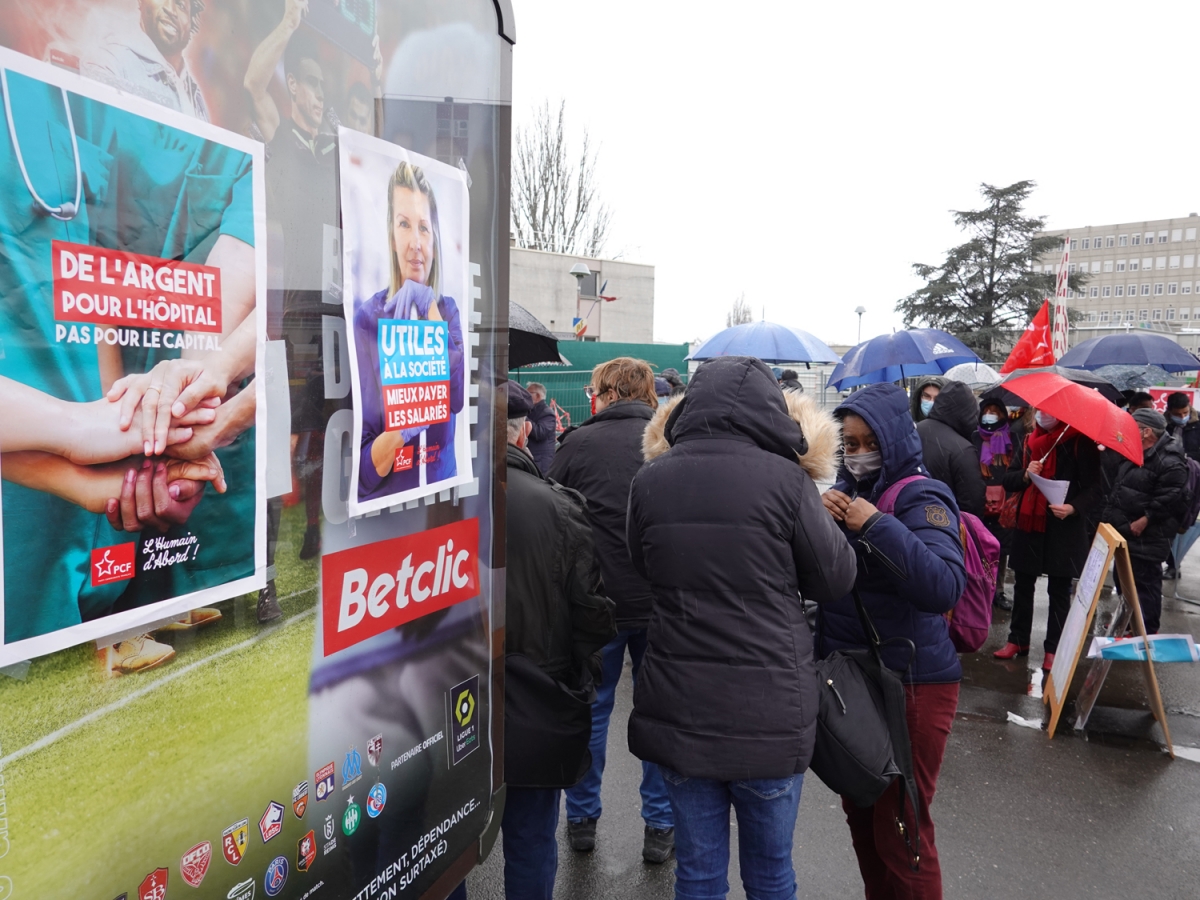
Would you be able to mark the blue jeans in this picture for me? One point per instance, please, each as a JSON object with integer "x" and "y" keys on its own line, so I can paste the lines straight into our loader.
{"x": 530, "y": 846}
{"x": 766, "y": 816}
{"x": 583, "y": 800}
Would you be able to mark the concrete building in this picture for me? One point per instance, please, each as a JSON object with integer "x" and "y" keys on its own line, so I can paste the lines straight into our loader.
{"x": 542, "y": 283}
{"x": 1140, "y": 275}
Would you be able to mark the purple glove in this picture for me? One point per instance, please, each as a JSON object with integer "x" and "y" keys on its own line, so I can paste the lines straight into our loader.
{"x": 412, "y": 301}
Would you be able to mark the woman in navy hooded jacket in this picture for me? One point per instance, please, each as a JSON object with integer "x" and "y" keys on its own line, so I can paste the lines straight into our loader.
{"x": 910, "y": 573}
{"x": 415, "y": 243}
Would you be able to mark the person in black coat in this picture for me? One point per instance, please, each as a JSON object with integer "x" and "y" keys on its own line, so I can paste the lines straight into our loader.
{"x": 950, "y": 456}
{"x": 729, "y": 530}
{"x": 543, "y": 428}
{"x": 599, "y": 459}
{"x": 1146, "y": 504}
{"x": 558, "y": 618}
{"x": 1050, "y": 540}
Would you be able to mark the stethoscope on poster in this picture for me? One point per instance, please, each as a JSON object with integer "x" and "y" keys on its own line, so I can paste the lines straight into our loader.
{"x": 68, "y": 210}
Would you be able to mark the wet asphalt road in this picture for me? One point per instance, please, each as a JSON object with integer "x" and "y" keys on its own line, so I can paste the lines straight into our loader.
{"x": 1106, "y": 815}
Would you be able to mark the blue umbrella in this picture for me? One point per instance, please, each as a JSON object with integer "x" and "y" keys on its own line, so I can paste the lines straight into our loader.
{"x": 902, "y": 354}
{"x": 1137, "y": 348}
{"x": 769, "y": 342}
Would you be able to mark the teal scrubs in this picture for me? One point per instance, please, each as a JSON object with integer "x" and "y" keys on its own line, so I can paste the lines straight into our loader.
{"x": 149, "y": 189}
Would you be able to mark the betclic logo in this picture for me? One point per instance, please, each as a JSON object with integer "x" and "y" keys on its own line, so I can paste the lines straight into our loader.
{"x": 368, "y": 590}
{"x": 111, "y": 564}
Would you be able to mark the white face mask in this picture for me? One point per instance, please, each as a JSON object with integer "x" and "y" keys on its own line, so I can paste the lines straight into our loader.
{"x": 990, "y": 419}
{"x": 1045, "y": 420}
{"x": 861, "y": 465}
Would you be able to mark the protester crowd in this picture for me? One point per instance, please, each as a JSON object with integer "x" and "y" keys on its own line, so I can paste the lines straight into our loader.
{"x": 683, "y": 525}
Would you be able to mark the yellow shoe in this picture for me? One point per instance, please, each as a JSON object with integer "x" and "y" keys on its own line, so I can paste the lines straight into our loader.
{"x": 195, "y": 619}
{"x": 138, "y": 654}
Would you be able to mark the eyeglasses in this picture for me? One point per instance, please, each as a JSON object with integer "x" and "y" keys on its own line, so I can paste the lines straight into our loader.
{"x": 590, "y": 392}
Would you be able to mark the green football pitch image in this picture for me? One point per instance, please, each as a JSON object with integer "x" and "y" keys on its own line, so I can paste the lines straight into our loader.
{"x": 108, "y": 778}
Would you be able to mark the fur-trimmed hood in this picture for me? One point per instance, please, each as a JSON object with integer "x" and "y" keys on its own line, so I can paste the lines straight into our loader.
{"x": 821, "y": 430}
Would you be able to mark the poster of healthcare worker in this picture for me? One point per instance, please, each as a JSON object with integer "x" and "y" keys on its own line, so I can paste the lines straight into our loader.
{"x": 405, "y": 274}
{"x": 130, "y": 337}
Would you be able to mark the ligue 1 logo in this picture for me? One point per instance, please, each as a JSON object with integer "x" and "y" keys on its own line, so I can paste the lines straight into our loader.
{"x": 271, "y": 822}
{"x": 323, "y": 782}
{"x": 276, "y": 876}
{"x": 300, "y": 799}
{"x": 194, "y": 864}
{"x": 234, "y": 840}
{"x": 154, "y": 886}
{"x": 376, "y": 798}
{"x": 351, "y": 768}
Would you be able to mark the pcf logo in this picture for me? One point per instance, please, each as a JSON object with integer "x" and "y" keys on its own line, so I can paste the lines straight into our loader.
{"x": 111, "y": 564}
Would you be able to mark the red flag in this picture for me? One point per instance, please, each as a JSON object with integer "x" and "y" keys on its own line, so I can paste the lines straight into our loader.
{"x": 1034, "y": 348}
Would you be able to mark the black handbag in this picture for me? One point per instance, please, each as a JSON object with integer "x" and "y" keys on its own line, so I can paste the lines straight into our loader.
{"x": 862, "y": 743}
{"x": 547, "y": 726}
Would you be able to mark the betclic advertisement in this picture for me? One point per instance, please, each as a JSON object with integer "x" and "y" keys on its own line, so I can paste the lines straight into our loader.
{"x": 209, "y": 688}
{"x": 405, "y": 228}
{"x": 132, "y": 480}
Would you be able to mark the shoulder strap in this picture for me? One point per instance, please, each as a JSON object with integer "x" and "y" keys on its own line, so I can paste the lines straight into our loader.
{"x": 887, "y": 503}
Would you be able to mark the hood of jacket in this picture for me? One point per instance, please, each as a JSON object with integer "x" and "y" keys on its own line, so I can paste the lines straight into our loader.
{"x": 885, "y": 409}
{"x": 957, "y": 407}
{"x": 821, "y": 433}
{"x": 736, "y": 397}
{"x": 914, "y": 399}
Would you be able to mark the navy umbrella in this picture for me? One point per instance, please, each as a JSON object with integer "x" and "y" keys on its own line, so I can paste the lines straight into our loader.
{"x": 902, "y": 354}
{"x": 1137, "y": 348}
{"x": 769, "y": 342}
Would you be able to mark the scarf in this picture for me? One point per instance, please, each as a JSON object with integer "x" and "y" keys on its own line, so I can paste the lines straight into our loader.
{"x": 1031, "y": 515}
{"x": 996, "y": 446}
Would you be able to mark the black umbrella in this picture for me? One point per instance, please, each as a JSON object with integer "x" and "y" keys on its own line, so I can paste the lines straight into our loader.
{"x": 529, "y": 341}
{"x": 1079, "y": 376}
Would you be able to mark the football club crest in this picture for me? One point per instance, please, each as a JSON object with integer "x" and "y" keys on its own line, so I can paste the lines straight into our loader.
{"x": 242, "y": 891}
{"x": 351, "y": 817}
{"x": 271, "y": 822}
{"x": 193, "y": 866}
{"x": 376, "y": 799}
{"x": 375, "y": 749}
{"x": 306, "y": 852}
{"x": 300, "y": 799}
{"x": 276, "y": 876}
{"x": 330, "y": 840}
{"x": 234, "y": 840}
{"x": 351, "y": 768}
{"x": 323, "y": 782}
{"x": 154, "y": 886}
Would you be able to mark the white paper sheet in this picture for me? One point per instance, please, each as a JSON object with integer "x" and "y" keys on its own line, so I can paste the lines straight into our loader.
{"x": 1053, "y": 490}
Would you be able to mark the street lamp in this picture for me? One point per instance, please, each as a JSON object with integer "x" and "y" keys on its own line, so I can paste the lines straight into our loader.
{"x": 580, "y": 271}
{"x": 860, "y": 310}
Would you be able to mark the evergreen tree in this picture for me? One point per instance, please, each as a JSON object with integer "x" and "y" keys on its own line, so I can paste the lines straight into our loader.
{"x": 987, "y": 290}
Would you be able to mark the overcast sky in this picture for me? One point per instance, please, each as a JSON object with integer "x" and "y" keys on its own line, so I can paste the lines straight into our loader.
{"x": 808, "y": 154}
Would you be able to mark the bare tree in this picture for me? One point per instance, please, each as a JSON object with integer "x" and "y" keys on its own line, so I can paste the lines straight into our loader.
{"x": 740, "y": 313}
{"x": 555, "y": 205}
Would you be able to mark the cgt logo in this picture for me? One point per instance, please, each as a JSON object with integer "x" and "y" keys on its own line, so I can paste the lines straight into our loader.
{"x": 111, "y": 564}
{"x": 370, "y": 589}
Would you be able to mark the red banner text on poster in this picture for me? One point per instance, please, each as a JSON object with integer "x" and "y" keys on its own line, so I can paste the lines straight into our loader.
{"x": 414, "y": 405}
{"x": 368, "y": 590}
{"x": 111, "y": 287}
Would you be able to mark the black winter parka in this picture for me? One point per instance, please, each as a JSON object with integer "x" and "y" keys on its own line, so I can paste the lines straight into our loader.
{"x": 599, "y": 459}
{"x": 1154, "y": 489}
{"x": 730, "y": 530}
{"x": 948, "y": 449}
{"x": 557, "y": 614}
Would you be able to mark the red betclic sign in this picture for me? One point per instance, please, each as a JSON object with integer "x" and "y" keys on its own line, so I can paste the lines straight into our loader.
{"x": 111, "y": 287}
{"x": 368, "y": 590}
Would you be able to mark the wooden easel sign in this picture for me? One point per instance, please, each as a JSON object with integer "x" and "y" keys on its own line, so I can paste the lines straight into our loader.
{"x": 1107, "y": 546}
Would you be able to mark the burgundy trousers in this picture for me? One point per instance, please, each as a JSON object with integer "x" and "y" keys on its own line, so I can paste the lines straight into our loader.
{"x": 883, "y": 857}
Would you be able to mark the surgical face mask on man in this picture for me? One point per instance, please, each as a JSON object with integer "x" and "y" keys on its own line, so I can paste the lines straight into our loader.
{"x": 1179, "y": 420}
{"x": 926, "y": 407}
{"x": 1046, "y": 421}
{"x": 862, "y": 465}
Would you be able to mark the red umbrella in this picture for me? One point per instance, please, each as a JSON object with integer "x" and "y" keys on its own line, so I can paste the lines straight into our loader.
{"x": 1083, "y": 409}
